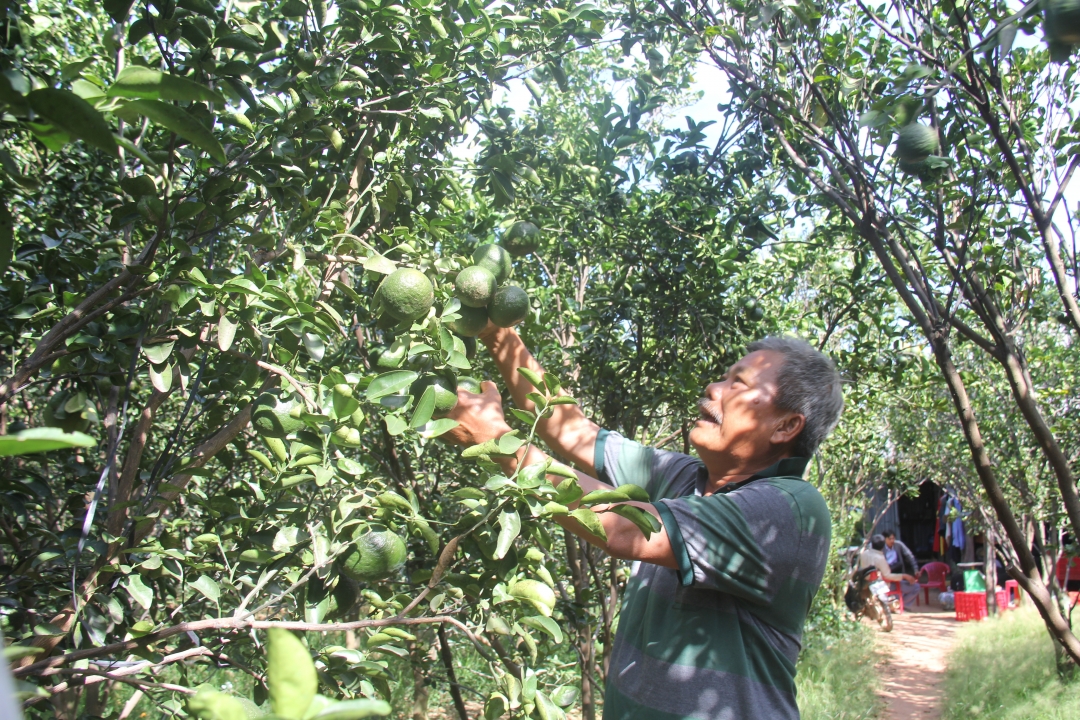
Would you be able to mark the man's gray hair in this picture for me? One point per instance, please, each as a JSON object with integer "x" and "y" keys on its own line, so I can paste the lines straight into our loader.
{"x": 809, "y": 384}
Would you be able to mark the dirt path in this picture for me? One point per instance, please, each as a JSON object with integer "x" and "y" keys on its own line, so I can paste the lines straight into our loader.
{"x": 915, "y": 669}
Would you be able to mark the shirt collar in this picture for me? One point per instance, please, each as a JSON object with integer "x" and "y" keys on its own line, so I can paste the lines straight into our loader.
{"x": 787, "y": 467}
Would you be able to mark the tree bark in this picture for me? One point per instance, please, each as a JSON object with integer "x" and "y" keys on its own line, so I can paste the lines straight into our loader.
{"x": 582, "y": 630}
{"x": 448, "y": 662}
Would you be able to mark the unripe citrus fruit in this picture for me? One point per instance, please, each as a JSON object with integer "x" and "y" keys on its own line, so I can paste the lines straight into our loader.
{"x": 474, "y": 286}
{"x": 509, "y": 306}
{"x": 407, "y": 294}
{"x": 469, "y": 384}
{"x": 276, "y": 418}
{"x": 495, "y": 259}
{"x": 445, "y": 385}
{"x": 378, "y": 553}
{"x": 522, "y": 238}
{"x": 472, "y": 321}
{"x": 916, "y": 142}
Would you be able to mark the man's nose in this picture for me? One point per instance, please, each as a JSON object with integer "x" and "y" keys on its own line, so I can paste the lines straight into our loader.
{"x": 714, "y": 391}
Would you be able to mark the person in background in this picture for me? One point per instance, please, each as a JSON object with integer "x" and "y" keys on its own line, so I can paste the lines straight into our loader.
{"x": 899, "y": 556}
{"x": 902, "y": 560}
{"x": 874, "y": 556}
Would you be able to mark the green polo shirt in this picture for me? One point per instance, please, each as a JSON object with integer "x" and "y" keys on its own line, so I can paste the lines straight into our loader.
{"x": 718, "y": 637}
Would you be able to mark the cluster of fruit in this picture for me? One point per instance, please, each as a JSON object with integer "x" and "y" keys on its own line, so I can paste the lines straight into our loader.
{"x": 482, "y": 290}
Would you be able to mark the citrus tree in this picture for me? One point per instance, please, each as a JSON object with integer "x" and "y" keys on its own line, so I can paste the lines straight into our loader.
{"x": 942, "y": 137}
{"x": 200, "y": 201}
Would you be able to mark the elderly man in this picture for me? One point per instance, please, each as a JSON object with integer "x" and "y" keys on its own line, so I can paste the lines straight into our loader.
{"x": 713, "y": 614}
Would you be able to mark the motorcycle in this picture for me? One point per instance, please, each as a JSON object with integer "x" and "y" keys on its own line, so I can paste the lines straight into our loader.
{"x": 867, "y": 595}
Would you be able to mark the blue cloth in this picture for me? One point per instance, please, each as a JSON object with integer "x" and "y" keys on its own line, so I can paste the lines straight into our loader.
{"x": 958, "y": 539}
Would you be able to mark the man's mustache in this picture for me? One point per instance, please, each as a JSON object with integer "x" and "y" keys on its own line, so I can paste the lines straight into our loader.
{"x": 711, "y": 410}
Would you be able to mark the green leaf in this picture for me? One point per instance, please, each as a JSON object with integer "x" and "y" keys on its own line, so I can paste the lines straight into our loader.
{"x": 208, "y": 587}
{"x": 136, "y": 81}
{"x": 646, "y": 522}
{"x": 562, "y": 400}
{"x": 510, "y": 527}
{"x": 544, "y": 624}
{"x": 42, "y": 440}
{"x": 562, "y": 471}
{"x": 75, "y": 116}
{"x": 510, "y": 443}
{"x": 159, "y": 353}
{"x": 456, "y": 359}
{"x": 547, "y": 709}
{"x": 552, "y": 383}
{"x": 178, "y": 121}
{"x": 241, "y": 285}
{"x": 438, "y": 427}
{"x": 424, "y": 408}
{"x": 138, "y": 590}
{"x": 590, "y": 521}
{"x": 349, "y": 292}
{"x": 378, "y": 264}
{"x": 354, "y": 710}
{"x": 315, "y": 346}
{"x": 532, "y": 377}
{"x": 489, "y": 447}
{"x": 390, "y": 383}
{"x": 210, "y": 704}
{"x": 226, "y": 332}
{"x": 290, "y": 674}
{"x": 569, "y": 490}
{"x": 395, "y": 425}
{"x": 16, "y": 652}
{"x": 161, "y": 376}
{"x": 524, "y": 416}
{"x": 612, "y": 495}
{"x": 496, "y": 706}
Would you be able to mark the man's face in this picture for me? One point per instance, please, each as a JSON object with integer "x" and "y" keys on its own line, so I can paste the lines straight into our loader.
{"x": 890, "y": 541}
{"x": 738, "y": 416}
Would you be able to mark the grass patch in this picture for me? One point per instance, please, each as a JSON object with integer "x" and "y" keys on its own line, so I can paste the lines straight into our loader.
{"x": 837, "y": 677}
{"x": 1004, "y": 668}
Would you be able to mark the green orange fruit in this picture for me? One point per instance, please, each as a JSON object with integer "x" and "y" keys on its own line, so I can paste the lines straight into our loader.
{"x": 475, "y": 286}
{"x": 407, "y": 294}
{"x": 522, "y": 238}
{"x": 472, "y": 321}
{"x": 509, "y": 306}
{"x": 377, "y": 553}
{"x": 916, "y": 142}
{"x": 495, "y": 259}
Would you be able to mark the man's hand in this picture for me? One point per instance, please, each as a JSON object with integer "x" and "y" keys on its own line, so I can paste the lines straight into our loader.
{"x": 480, "y": 417}
{"x": 911, "y": 579}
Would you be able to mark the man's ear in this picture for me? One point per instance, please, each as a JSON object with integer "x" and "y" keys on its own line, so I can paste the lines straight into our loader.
{"x": 788, "y": 428}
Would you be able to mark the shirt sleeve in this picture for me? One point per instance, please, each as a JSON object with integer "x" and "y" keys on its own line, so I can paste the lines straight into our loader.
{"x": 911, "y": 565}
{"x": 744, "y": 543}
{"x": 619, "y": 461}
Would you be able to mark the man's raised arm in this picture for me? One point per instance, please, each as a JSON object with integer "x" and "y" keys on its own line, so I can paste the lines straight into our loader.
{"x": 568, "y": 432}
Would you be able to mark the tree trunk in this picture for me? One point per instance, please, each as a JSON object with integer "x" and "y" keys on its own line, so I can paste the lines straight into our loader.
{"x": 582, "y": 630}
{"x": 420, "y": 689}
{"x": 1027, "y": 575}
{"x": 451, "y": 676}
{"x": 990, "y": 571}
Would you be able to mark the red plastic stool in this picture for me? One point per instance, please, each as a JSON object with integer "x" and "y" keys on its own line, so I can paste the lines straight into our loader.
{"x": 898, "y": 593}
{"x": 1012, "y": 593}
